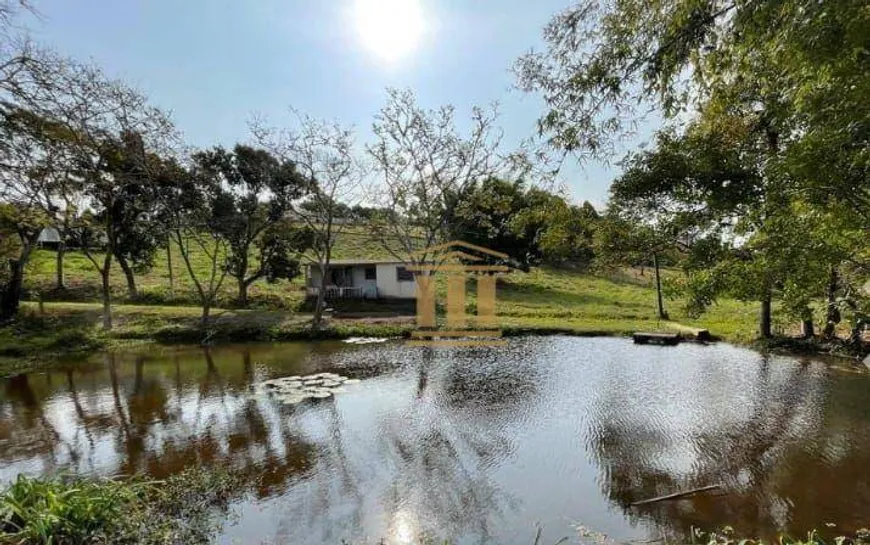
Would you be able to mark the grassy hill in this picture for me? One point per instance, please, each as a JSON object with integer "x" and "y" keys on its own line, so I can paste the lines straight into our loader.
{"x": 544, "y": 299}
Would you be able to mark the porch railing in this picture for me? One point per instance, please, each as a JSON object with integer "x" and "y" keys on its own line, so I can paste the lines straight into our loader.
{"x": 338, "y": 292}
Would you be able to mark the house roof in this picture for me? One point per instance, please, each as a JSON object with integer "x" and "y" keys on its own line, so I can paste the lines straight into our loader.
{"x": 362, "y": 262}
{"x": 49, "y": 234}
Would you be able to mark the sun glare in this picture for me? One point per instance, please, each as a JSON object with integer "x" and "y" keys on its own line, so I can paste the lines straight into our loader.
{"x": 390, "y": 29}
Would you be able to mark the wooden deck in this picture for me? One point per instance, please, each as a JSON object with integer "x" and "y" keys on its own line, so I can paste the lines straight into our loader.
{"x": 668, "y": 339}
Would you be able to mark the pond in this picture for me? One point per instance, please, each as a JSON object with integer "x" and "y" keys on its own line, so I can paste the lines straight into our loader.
{"x": 476, "y": 445}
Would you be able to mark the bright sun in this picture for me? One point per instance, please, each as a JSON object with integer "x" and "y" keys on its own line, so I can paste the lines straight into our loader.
{"x": 391, "y": 29}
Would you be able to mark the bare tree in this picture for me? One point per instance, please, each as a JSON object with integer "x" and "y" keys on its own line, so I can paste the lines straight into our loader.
{"x": 424, "y": 164}
{"x": 324, "y": 152}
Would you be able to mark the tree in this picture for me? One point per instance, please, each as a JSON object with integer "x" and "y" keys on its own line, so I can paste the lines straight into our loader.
{"x": 425, "y": 164}
{"x": 562, "y": 232}
{"x": 703, "y": 185}
{"x": 20, "y": 225}
{"x": 33, "y": 165}
{"x": 257, "y": 189}
{"x": 793, "y": 74}
{"x": 485, "y": 215}
{"x": 324, "y": 153}
{"x": 620, "y": 240}
{"x": 108, "y": 131}
{"x": 196, "y": 206}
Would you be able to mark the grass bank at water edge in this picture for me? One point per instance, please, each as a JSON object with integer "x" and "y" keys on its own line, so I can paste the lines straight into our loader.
{"x": 186, "y": 508}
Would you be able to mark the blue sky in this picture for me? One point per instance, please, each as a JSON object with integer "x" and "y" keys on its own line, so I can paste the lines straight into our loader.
{"x": 214, "y": 63}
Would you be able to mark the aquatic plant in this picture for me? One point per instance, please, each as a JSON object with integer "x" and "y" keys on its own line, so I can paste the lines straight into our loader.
{"x": 296, "y": 389}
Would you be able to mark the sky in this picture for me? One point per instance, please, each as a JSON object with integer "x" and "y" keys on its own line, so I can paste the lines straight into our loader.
{"x": 214, "y": 63}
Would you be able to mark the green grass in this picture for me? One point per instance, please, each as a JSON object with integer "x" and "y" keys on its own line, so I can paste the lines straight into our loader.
{"x": 72, "y": 509}
{"x": 544, "y": 300}
{"x": 83, "y": 282}
{"x": 542, "y": 297}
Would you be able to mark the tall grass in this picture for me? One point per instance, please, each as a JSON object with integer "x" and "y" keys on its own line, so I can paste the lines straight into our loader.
{"x": 73, "y": 510}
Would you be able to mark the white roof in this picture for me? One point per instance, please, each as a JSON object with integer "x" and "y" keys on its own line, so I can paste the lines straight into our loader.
{"x": 348, "y": 262}
{"x": 49, "y": 234}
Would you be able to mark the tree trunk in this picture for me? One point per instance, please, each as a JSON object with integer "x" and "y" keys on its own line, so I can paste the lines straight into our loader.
{"x": 321, "y": 298}
{"x": 11, "y": 298}
{"x": 169, "y": 266}
{"x": 243, "y": 293}
{"x": 206, "y": 309}
{"x": 832, "y": 312}
{"x": 857, "y": 334}
{"x": 808, "y": 330}
{"x": 60, "y": 283}
{"x": 107, "y": 300}
{"x": 661, "y": 307}
{"x": 132, "y": 293}
{"x": 764, "y": 325}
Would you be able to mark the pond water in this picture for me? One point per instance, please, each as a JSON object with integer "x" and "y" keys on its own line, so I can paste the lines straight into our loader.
{"x": 475, "y": 445}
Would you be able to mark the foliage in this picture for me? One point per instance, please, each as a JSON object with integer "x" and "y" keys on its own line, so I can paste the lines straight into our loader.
{"x": 774, "y": 152}
{"x": 529, "y": 224}
{"x": 253, "y": 191}
{"x": 565, "y": 231}
{"x": 83, "y": 510}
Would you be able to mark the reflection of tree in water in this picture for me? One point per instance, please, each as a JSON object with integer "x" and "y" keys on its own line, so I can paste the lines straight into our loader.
{"x": 771, "y": 459}
{"x": 431, "y": 459}
{"x": 41, "y": 440}
{"x": 156, "y": 420}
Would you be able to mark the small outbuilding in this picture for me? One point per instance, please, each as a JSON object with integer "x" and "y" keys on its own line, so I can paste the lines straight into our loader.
{"x": 49, "y": 238}
{"x": 362, "y": 279}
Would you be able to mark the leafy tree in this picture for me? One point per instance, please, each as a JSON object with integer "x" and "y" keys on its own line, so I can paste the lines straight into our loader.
{"x": 256, "y": 190}
{"x": 196, "y": 207}
{"x": 485, "y": 216}
{"x": 20, "y": 225}
{"x": 621, "y": 240}
{"x": 559, "y": 232}
{"x": 107, "y": 130}
{"x": 32, "y": 166}
{"x": 792, "y": 77}
{"x": 699, "y": 185}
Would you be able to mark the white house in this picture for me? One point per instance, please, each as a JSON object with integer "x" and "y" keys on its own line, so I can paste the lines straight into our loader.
{"x": 49, "y": 237}
{"x": 362, "y": 278}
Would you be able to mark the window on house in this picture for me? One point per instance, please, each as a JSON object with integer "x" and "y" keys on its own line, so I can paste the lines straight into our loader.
{"x": 371, "y": 273}
{"x": 404, "y": 275}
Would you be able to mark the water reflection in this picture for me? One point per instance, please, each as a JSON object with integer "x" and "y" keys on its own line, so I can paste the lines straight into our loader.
{"x": 783, "y": 439}
{"x": 150, "y": 415}
{"x": 474, "y": 445}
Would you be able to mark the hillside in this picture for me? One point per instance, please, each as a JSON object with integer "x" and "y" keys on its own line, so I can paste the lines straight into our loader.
{"x": 543, "y": 298}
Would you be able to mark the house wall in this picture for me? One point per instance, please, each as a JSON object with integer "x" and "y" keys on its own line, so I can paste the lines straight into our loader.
{"x": 370, "y": 287}
{"x": 386, "y": 284}
{"x": 389, "y": 286}
{"x": 313, "y": 278}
